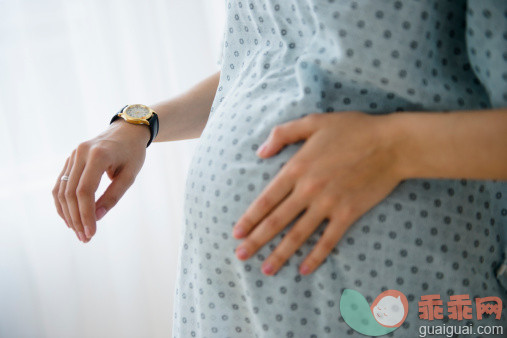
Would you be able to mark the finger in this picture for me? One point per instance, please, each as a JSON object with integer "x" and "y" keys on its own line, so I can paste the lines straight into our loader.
{"x": 270, "y": 226}
{"x": 274, "y": 192}
{"x": 61, "y": 193}
{"x": 329, "y": 239}
{"x": 297, "y": 235}
{"x": 85, "y": 192}
{"x": 114, "y": 192}
{"x": 55, "y": 191}
{"x": 71, "y": 197}
{"x": 287, "y": 133}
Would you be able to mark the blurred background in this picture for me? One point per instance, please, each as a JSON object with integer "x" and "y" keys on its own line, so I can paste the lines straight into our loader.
{"x": 65, "y": 67}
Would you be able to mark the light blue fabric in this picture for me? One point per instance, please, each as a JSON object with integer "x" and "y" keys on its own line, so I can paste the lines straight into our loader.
{"x": 285, "y": 59}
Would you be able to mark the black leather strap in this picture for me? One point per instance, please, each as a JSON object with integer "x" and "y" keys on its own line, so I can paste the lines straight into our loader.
{"x": 115, "y": 117}
{"x": 153, "y": 127}
{"x": 153, "y": 120}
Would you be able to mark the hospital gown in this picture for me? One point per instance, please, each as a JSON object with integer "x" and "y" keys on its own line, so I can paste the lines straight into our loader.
{"x": 284, "y": 59}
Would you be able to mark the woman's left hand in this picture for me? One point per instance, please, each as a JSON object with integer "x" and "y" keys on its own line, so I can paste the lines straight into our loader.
{"x": 347, "y": 165}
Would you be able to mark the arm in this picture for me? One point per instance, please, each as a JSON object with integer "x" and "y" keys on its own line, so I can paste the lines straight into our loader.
{"x": 184, "y": 116}
{"x": 462, "y": 144}
{"x": 120, "y": 151}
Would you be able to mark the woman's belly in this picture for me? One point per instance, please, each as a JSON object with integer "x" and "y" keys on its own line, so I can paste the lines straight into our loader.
{"x": 428, "y": 236}
{"x": 435, "y": 226}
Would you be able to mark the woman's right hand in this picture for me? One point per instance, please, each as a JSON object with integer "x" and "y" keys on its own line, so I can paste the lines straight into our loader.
{"x": 120, "y": 152}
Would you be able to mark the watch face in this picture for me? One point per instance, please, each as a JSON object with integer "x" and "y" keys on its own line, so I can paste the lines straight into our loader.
{"x": 137, "y": 111}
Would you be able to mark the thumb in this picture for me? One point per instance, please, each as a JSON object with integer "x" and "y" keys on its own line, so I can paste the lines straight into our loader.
{"x": 114, "y": 193}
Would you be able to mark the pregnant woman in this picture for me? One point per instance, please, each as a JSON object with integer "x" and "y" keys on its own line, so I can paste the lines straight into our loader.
{"x": 343, "y": 145}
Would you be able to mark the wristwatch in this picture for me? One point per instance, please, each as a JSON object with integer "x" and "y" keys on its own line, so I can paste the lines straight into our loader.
{"x": 139, "y": 114}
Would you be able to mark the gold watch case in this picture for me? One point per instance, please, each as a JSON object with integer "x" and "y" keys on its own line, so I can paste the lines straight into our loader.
{"x": 131, "y": 114}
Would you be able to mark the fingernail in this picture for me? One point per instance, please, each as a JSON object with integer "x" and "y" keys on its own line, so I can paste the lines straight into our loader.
{"x": 238, "y": 232}
{"x": 304, "y": 269}
{"x": 267, "y": 268}
{"x": 261, "y": 149}
{"x": 241, "y": 253}
{"x": 81, "y": 236}
{"x": 100, "y": 213}
{"x": 88, "y": 232}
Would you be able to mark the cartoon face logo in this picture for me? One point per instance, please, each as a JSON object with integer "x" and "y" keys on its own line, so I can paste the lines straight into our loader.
{"x": 388, "y": 309}
{"x": 386, "y": 314}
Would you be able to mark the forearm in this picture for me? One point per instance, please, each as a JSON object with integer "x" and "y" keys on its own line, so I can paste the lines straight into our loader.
{"x": 184, "y": 116}
{"x": 464, "y": 144}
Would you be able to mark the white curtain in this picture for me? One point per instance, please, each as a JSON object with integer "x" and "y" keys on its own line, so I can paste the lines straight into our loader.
{"x": 65, "y": 67}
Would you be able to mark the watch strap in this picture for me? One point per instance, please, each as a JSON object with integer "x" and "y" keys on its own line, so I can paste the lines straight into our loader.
{"x": 117, "y": 115}
{"x": 153, "y": 120}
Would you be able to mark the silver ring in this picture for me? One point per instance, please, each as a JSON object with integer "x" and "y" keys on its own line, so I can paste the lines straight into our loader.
{"x": 64, "y": 178}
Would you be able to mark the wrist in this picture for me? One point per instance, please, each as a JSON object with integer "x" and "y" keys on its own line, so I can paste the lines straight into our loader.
{"x": 391, "y": 139}
{"x": 402, "y": 144}
{"x": 421, "y": 146}
{"x": 137, "y": 132}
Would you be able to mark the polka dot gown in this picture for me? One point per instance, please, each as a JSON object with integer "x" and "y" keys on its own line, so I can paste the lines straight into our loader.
{"x": 282, "y": 60}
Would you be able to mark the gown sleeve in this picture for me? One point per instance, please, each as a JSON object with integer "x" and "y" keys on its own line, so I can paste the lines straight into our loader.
{"x": 220, "y": 52}
{"x": 486, "y": 38}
